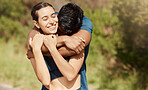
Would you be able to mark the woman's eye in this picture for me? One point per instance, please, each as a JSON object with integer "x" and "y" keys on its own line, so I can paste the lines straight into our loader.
{"x": 53, "y": 16}
{"x": 44, "y": 19}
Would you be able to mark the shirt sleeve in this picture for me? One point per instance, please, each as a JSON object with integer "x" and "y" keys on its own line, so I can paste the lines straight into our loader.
{"x": 87, "y": 25}
{"x": 56, "y": 13}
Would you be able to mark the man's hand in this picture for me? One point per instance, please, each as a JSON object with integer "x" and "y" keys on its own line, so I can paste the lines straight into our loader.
{"x": 75, "y": 43}
{"x": 29, "y": 54}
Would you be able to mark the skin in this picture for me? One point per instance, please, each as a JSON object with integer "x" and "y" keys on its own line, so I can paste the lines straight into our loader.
{"x": 38, "y": 63}
{"x": 67, "y": 69}
{"x": 48, "y": 21}
{"x": 71, "y": 45}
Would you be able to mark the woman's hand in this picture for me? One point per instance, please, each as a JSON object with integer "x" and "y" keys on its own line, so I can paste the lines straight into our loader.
{"x": 50, "y": 41}
{"x": 37, "y": 41}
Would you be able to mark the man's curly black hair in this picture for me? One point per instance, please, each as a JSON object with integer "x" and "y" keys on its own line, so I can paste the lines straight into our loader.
{"x": 70, "y": 19}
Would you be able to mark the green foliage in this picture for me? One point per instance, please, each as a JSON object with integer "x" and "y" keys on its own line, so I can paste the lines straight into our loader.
{"x": 119, "y": 33}
{"x": 12, "y": 8}
{"x": 104, "y": 36}
{"x": 13, "y": 20}
{"x": 133, "y": 30}
{"x": 12, "y": 29}
{"x": 133, "y": 47}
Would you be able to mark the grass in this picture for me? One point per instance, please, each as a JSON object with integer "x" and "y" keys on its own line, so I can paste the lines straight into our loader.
{"x": 15, "y": 68}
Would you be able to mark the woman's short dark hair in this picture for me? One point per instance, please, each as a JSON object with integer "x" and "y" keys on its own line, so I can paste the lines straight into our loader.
{"x": 70, "y": 18}
{"x": 38, "y": 7}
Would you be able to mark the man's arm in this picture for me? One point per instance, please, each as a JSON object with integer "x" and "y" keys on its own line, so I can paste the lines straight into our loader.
{"x": 84, "y": 33}
{"x": 75, "y": 44}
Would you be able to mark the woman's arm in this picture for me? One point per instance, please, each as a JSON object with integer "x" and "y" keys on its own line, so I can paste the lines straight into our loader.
{"x": 38, "y": 62}
{"x": 40, "y": 68}
{"x": 69, "y": 70}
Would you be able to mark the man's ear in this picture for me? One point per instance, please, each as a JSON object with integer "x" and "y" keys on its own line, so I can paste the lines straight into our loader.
{"x": 36, "y": 24}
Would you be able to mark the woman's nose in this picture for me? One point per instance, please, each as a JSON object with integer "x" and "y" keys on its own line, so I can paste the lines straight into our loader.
{"x": 56, "y": 20}
{"x": 51, "y": 20}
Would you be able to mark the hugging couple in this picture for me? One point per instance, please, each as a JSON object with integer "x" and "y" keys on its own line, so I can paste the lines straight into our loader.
{"x": 58, "y": 46}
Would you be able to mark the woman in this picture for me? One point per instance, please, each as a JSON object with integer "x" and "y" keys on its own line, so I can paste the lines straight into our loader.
{"x": 46, "y": 19}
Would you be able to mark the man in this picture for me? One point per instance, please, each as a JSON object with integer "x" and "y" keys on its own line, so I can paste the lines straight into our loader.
{"x": 72, "y": 45}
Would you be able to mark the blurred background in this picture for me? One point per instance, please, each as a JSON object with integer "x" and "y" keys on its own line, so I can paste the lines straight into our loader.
{"x": 118, "y": 56}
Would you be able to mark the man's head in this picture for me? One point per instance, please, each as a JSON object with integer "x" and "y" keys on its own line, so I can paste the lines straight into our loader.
{"x": 44, "y": 17}
{"x": 70, "y": 18}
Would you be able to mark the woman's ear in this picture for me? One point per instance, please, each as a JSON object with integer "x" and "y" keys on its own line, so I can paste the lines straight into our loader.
{"x": 36, "y": 24}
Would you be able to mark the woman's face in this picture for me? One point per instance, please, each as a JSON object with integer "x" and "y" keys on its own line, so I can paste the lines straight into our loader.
{"x": 47, "y": 20}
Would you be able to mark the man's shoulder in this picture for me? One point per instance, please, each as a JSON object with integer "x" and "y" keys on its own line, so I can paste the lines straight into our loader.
{"x": 87, "y": 21}
{"x": 33, "y": 32}
{"x": 87, "y": 24}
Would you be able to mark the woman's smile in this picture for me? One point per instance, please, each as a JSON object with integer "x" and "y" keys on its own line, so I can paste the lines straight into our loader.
{"x": 52, "y": 27}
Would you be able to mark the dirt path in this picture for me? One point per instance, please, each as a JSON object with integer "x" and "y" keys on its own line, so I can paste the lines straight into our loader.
{"x": 10, "y": 87}
{"x": 7, "y": 87}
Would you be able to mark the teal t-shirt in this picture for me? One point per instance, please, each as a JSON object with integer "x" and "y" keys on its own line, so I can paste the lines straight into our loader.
{"x": 88, "y": 26}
